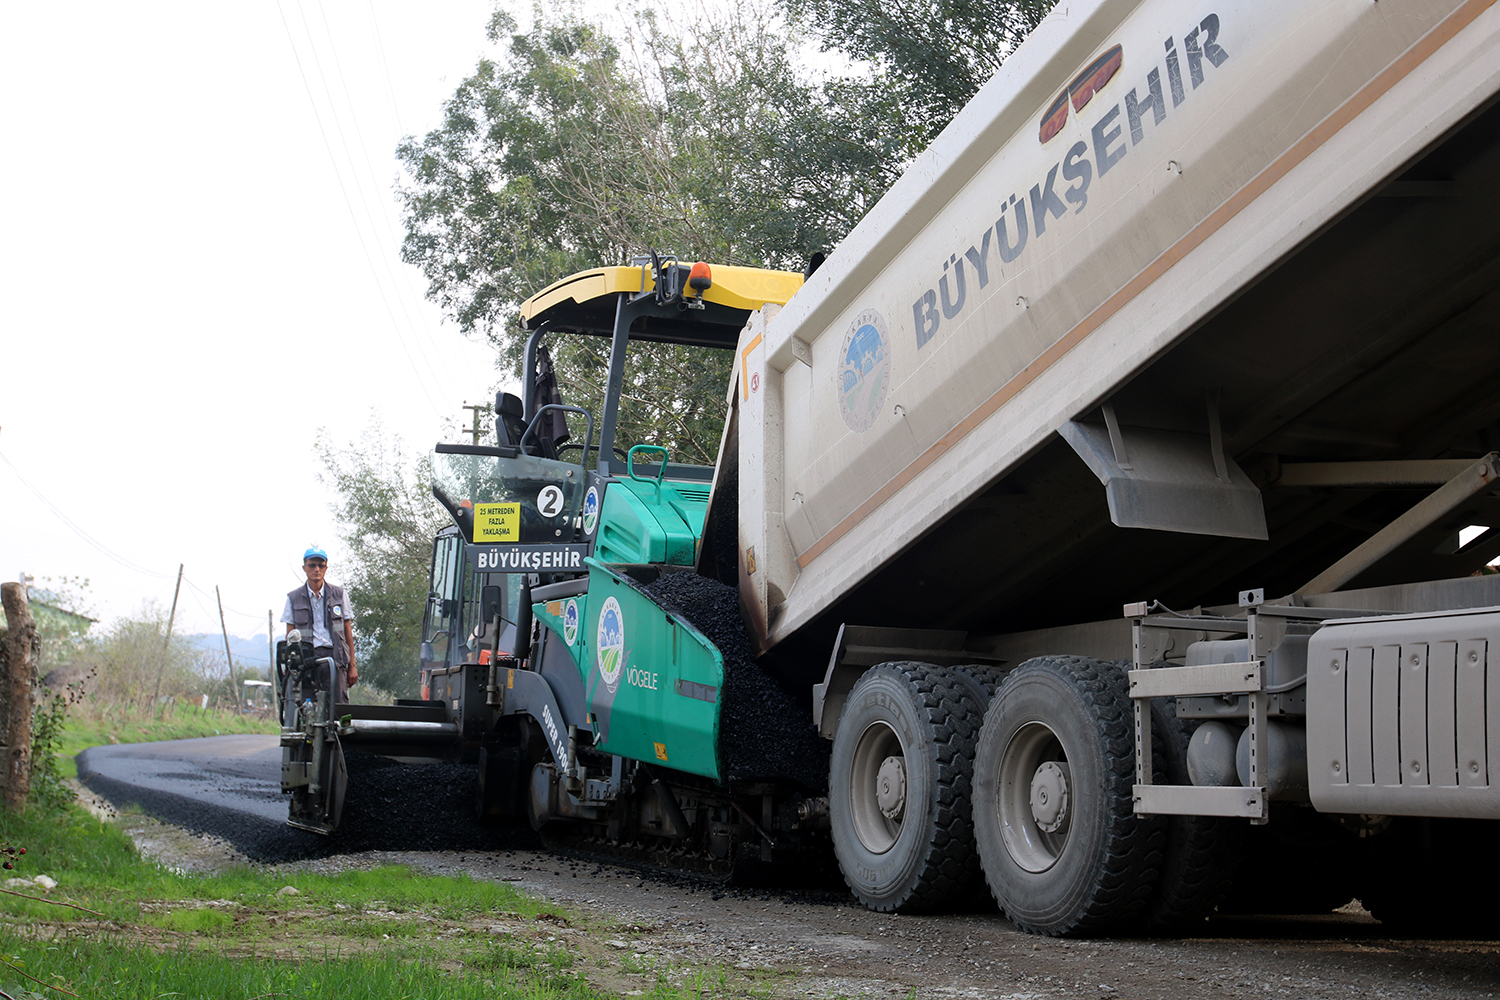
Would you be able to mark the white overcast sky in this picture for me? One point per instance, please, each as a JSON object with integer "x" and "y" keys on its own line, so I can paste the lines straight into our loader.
{"x": 199, "y": 269}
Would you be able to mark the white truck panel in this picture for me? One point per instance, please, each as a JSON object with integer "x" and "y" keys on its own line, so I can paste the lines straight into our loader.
{"x": 1404, "y": 716}
{"x": 1308, "y": 109}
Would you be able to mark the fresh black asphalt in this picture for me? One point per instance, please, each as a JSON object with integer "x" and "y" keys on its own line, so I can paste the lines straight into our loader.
{"x": 229, "y": 787}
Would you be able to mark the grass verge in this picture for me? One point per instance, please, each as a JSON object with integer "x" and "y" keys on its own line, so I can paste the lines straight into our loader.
{"x": 133, "y": 928}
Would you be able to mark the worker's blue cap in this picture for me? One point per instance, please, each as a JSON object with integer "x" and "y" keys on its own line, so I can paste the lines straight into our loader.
{"x": 314, "y": 553}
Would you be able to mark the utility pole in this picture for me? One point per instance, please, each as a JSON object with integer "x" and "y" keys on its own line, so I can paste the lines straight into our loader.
{"x": 234, "y": 686}
{"x": 478, "y": 408}
{"x": 167, "y": 642}
{"x": 271, "y": 664}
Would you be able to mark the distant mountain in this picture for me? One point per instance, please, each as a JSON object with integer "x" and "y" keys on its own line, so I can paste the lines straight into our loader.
{"x": 251, "y": 652}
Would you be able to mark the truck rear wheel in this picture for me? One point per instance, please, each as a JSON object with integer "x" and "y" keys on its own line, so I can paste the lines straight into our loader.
{"x": 981, "y": 679}
{"x": 1202, "y": 853}
{"x": 1062, "y": 849}
{"x": 898, "y": 789}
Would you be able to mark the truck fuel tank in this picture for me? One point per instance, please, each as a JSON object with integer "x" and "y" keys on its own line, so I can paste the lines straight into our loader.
{"x": 1285, "y": 674}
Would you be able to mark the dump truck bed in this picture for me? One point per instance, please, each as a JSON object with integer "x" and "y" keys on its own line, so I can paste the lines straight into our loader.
{"x": 1168, "y": 250}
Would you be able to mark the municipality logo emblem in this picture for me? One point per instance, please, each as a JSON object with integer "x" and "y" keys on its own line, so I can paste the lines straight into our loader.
{"x": 570, "y": 621}
{"x": 866, "y": 372}
{"x": 609, "y": 647}
{"x": 590, "y": 510}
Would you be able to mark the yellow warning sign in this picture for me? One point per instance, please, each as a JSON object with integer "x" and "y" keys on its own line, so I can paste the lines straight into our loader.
{"x": 661, "y": 751}
{"x": 497, "y": 522}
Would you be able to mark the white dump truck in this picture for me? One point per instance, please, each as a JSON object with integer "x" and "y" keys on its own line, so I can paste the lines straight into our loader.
{"x": 1193, "y": 313}
{"x": 1115, "y": 502}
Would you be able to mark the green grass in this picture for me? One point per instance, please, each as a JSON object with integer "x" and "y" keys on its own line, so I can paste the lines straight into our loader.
{"x": 91, "y": 967}
{"x": 380, "y": 933}
{"x": 399, "y": 889}
{"x": 95, "y": 862}
{"x": 502, "y": 955}
{"x": 193, "y": 921}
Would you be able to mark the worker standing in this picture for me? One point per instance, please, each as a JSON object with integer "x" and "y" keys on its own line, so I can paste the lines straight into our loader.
{"x": 323, "y": 613}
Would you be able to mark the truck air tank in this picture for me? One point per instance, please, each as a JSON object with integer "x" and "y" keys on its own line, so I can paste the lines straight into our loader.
{"x": 1283, "y": 761}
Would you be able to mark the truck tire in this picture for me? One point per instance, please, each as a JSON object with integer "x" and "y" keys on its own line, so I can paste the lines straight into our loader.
{"x": 1202, "y": 853}
{"x": 981, "y": 679}
{"x": 1062, "y": 848}
{"x": 898, "y": 789}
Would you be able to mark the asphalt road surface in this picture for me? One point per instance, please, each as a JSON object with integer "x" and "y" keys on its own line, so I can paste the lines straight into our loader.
{"x": 229, "y": 787}
{"x": 234, "y": 778}
{"x": 813, "y": 943}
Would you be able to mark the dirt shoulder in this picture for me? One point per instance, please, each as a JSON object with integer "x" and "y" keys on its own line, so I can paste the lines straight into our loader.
{"x": 633, "y": 928}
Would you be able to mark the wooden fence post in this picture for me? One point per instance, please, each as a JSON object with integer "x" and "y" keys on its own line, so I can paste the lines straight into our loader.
{"x": 19, "y": 683}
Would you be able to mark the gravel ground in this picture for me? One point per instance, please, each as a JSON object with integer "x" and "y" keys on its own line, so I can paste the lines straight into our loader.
{"x": 816, "y": 944}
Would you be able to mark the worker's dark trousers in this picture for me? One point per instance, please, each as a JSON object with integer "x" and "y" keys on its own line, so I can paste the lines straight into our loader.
{"x": 341, "y": 696}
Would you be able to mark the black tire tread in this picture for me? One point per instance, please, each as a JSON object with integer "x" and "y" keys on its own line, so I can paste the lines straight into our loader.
{"x": 982, "y": 678}
{"x": 1202, "y": 853}
{"x": 951, "y": 867}
{"x": 1131, "y": 854}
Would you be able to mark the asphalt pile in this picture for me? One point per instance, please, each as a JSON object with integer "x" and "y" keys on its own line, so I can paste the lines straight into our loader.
{"x": 764, "y": 731}
{"x": 392, "y": 806}
{"x": 721, "y": 532}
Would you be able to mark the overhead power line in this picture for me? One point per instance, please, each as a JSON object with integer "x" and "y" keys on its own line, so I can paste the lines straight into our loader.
{"x": 390, "y": 87}
{"x": 403, "y": 277}
{"x": 205, "y": 593}
{"x": 426, "y": 345}
{"x": 73, "y": 526}
{"x": 353, "y": 216}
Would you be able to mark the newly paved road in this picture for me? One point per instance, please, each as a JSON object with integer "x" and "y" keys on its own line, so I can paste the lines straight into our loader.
{"x": 223, "y": 786}
{"x": 230, "y": 787}
{"x": 239, "y": 775}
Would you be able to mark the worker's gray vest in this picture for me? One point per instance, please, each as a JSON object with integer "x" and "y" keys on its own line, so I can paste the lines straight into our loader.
{"x": 335, "y": 606}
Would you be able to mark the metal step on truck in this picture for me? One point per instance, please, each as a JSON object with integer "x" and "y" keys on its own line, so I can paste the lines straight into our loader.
{"x": 1108, "y": 515}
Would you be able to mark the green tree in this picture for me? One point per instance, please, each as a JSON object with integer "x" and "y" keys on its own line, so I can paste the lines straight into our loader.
{"x": 928, "y": 56}
{"x": 387, "y": 518}
{"x": 572, "y": 149}
{"x": 135, "y": 651}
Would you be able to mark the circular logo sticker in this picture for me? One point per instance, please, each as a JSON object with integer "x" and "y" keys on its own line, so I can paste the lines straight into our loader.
{"x": 549, "y": 502}
{"x": 590, "y": 510}
{"x": 866, "y": 371}
{"x": 609, "y": 643}
{"x": 570, "y": 621}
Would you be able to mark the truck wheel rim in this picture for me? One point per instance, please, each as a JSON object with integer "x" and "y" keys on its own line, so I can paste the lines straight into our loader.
{"x": 877, "y": 788}
{"x": 1034, "y": 799}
